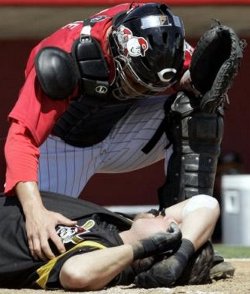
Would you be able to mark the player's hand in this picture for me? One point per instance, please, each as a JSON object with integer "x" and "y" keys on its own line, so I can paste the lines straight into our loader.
{"x": 187, "y": 85}
{"x": 40, "y": 227}
{"x": 158, "y": 243}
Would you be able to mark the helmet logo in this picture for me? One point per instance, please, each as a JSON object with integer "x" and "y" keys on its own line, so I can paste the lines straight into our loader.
{"x": 131, "y": 45}
{"x": 123, "y": 35}
{"x": 137, "y": 46}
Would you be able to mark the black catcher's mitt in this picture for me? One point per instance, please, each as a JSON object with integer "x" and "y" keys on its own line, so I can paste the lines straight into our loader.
{"x": 215, "y": 63}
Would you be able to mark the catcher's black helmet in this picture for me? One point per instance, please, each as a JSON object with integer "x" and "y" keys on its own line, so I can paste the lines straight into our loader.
{"x": 148, "y": 45}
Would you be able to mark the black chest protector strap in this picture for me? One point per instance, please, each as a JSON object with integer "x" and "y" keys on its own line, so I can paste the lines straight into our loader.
{"x": 196, "y": 137}
{"x": 88, "y": 120}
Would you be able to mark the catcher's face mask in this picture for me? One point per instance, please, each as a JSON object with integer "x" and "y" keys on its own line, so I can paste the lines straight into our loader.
{"x": 130, "y": 85}
{"x": 148, "y": 48}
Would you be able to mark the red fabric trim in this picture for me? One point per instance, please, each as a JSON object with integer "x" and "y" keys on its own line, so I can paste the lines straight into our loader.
{"x": 115, "y": 2}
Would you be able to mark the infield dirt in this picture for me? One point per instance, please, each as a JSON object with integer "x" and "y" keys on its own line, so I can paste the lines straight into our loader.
{"x": 239, "y": 284}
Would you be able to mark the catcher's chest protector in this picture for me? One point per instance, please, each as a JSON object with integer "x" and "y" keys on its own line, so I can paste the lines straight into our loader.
{"x": 89, "y": 119}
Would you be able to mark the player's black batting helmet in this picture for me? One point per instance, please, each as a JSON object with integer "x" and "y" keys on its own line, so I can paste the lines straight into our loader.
{"x": 148, "y": 46}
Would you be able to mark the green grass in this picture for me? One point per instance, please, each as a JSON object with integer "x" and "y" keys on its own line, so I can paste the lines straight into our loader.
{"x": 230, "y": 251}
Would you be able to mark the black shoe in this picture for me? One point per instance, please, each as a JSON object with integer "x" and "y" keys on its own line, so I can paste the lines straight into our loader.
{"x": 221, "y": 269}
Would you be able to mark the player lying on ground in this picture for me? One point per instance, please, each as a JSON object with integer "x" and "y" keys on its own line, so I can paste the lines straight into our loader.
{"x": 107, "y": 249}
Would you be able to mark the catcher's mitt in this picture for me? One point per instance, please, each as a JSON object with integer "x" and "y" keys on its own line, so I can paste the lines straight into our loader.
{"x": 198, "y": 269}
{"x": 215, "y": 63}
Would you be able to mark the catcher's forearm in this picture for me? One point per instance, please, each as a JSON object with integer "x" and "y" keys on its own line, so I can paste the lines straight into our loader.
{"x": 29, "y": 197}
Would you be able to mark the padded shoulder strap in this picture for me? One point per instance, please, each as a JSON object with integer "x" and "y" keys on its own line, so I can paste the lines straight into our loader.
{"x": 56, "y": 72}
{"x": 92, "y": 66}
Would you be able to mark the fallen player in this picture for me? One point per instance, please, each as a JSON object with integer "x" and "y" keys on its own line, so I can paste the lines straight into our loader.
{"x": 156, "y": 249}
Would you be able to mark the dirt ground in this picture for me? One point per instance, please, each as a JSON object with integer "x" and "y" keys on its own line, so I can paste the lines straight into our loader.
{"x": 239, "y": 284}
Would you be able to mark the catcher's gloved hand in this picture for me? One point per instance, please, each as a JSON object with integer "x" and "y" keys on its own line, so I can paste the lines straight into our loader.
{"x": 158, "y": 243}
{"x": 166, "y": 272}
{"x": 215, "y": 63}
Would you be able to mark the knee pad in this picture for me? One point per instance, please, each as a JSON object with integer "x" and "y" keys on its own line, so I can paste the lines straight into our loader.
{"x": 196, "y": 137}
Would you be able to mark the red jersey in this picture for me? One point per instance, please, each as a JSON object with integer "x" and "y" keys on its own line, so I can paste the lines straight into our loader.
{"x": 34, "y": 114}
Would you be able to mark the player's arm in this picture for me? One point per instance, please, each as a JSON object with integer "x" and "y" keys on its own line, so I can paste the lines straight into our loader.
{"x": 94, "y": 270}
{"x": 197, "y": 217}
{"x": 21, "y": 176}
{"x": 40, "y": 222}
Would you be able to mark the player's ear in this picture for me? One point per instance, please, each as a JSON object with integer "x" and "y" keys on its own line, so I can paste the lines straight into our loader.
{"x": 57, "y": 72}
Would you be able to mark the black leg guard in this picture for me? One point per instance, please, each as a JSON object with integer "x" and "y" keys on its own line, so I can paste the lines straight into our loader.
{"x": 196, "y": 137}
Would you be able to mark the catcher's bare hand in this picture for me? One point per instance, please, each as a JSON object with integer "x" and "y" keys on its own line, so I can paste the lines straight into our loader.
{"x": 40, "y": 227}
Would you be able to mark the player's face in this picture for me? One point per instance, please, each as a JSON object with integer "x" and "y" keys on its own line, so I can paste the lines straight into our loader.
{"x": 147, "y": 224}
{"x": 163, "y": 222}
{"x": 131, "y": 86}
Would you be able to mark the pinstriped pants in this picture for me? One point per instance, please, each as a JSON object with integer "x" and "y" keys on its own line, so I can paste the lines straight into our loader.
{"x": 66, "y": 169}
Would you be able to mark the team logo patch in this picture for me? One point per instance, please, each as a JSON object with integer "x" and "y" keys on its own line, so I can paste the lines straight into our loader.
{"x": 132, "y": 45}
{"x": 74, "y": 234}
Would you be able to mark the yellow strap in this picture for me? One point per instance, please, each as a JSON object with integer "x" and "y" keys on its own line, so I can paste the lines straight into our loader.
{"x": 45, "y": 270}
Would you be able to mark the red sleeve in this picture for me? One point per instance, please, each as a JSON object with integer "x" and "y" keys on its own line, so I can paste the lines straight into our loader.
{"x": 188, "y": 55}
{"x": 188, "y": 51}
{"x": 35, "y": 111}
{"x": 22, "y": 154}
{"x": 33, "y": 108}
